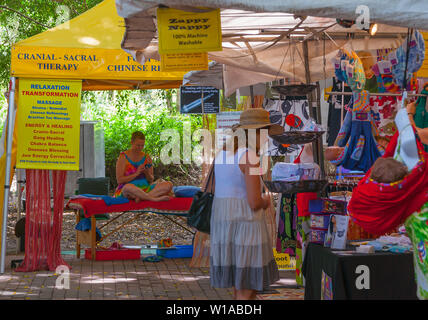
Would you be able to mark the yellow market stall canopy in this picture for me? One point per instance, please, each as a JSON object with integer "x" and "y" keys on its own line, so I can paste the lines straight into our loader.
{"x": 73, "y": 63}
{"x": 88, "y": 48}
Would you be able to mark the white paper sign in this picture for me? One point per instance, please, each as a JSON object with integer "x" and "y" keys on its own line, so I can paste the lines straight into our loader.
{"x": 337, "y": 232}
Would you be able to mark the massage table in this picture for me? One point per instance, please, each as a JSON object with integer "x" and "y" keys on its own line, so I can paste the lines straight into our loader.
{"x": 91, "y": 207}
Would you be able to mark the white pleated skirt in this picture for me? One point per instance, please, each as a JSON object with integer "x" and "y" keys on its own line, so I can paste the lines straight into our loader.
{"x": 241, "y": 254}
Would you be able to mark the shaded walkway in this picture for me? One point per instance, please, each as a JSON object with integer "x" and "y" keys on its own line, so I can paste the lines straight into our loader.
{"x": 170, "y": 279}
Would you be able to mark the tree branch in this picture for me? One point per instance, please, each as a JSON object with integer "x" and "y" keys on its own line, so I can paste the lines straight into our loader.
{"x": 24, "y": 16}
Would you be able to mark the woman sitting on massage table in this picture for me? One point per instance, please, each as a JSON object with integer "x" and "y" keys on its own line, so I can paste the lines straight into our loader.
{"x": 134, "y": 174}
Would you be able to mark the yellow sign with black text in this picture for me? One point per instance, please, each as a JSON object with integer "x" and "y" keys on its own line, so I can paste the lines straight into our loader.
{"x": 48, "y": 123}
{"x": 284, "y": 261}
{"x": 184, "y": 61}
{"x": 81, "y": 63}
{"x": 181, "y": 31}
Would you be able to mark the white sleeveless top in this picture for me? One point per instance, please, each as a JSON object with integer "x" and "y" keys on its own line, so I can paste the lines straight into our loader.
{"x": 229, "y": 179}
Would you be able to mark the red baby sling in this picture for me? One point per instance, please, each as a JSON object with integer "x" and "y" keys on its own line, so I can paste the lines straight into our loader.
{"x": 379, "y": 208}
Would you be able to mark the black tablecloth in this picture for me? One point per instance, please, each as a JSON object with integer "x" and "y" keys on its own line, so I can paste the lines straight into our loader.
{"x": 391, "y": 275}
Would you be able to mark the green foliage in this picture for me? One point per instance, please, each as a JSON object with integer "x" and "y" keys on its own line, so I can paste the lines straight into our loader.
{"x": 21, "y": 19}
{"x": 123, "y": 112}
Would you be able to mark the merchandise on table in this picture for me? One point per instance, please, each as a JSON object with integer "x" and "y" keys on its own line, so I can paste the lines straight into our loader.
{"x": 318, "y": 235}
{"x": 325, "y": 213}
{"x": 320, "y": 221}
{"x": 327, "y": 206}
{"x": 337, "y": 232}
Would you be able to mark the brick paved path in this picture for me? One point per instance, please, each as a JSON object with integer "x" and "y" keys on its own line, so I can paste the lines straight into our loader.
{"x": 170, "y": 279}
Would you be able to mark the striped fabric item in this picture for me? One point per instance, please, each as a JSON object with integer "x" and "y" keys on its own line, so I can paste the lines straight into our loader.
{"x": 350, "y": 70}
{"x": 358, "y": 80}
{"x": 361, "y": 101}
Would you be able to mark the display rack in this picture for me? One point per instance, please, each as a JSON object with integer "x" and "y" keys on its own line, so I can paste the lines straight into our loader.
{"x": 298, "y": 137}
{"x": 294, "y": 89}
{"x": 296, "y": 186}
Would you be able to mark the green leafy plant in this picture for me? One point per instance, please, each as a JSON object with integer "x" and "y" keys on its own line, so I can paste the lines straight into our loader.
{"x": 121, "y": 113}
{"x": 118, "y": 112}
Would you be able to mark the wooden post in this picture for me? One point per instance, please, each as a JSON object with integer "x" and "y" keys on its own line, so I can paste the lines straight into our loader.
{"x": 316, "y": 147}
{"x": 77, "y": 213}
{"x": 93, "y": 237}
{"x": 320, "y": 141}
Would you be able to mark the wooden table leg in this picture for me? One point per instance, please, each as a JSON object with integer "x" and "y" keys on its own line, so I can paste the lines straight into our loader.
{"x": 77, "y": 213}
{"x": 93, "y": 237}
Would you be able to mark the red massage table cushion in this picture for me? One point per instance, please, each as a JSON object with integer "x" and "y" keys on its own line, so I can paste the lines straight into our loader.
{"x": 92, "y": 207}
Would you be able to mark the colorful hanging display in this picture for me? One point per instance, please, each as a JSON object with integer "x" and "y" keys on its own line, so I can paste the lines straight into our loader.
{"x": 360, "y": 148}
{"x": 349, "y": 68}
{"x": 391, "y": 70}
{"x": 286, "y": 240}
{"x": 292, "y": 113}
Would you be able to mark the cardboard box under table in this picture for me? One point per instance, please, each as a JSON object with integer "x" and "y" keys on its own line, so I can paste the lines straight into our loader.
{"x": 91, "y": 207}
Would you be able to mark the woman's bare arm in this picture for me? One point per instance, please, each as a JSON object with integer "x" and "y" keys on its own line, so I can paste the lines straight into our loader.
{"x": 253, "y": 186}
{"x": 423, "y": 135}
{"x": 422, "y": 132}
{"x": 120, "y": 171}
{"x": 149, "y": 172}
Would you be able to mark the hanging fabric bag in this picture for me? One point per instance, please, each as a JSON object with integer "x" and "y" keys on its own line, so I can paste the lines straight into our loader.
{"x": 200, "y": 212}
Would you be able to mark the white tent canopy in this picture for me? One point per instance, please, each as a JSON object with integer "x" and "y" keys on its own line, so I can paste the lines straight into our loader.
{"x": 265, "y": 46}
{"x": 402, "y": 13}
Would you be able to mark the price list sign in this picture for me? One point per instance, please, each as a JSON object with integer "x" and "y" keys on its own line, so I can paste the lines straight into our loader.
{"x": 48, "y": 124}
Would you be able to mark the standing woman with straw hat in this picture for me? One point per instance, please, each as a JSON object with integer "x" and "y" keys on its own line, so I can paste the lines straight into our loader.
{"x": 240, "y": 246}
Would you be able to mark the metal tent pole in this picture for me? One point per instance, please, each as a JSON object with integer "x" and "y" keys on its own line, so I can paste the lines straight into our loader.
{"x": 7, "y": 173}
{"x": 343, "y": 104}
{"x": 379, "y": 94}
{"x": 317, "y": 144}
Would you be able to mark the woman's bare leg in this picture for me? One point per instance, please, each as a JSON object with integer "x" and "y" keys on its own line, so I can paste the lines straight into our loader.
{"x": 161, "y": 189}
{"x": 132, "y": 192}
{"x": 245, "y": 294}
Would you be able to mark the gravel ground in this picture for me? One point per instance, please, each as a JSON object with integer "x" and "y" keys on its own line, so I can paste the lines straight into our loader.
{"x": 147, "y": 229}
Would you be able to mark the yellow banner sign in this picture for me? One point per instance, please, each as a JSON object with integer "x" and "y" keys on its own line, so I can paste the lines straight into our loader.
{"x": 48, "y": 123}
{"x": 184, "y": 61}
{"x": 77, "y": 63}
{"x": 181, "y": 31}
{"x": 284, "y": 261}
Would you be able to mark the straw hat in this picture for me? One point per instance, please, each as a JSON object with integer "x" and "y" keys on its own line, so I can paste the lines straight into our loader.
{"x": 258, "y": 118}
